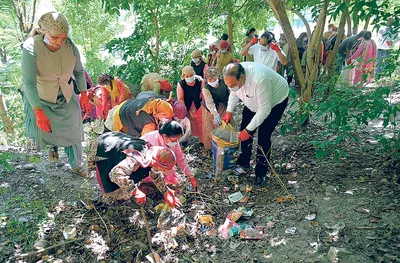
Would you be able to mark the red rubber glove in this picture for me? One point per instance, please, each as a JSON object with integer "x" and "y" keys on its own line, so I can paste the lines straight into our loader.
{"x": 193, "y": 181}
{"x": 41, "y": 120}
{"x": 140, "y": 196}
{"x": 244, "y": 136}
{"x": 253, "y": 41}
{"x": 227, "y": 117}
{"x": 171, "y": 199}
{"x": 274, "y": 46}
{"x": 84, "y": 101}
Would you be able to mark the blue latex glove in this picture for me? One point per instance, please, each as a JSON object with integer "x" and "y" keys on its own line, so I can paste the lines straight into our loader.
{"x": 217, "y": 119}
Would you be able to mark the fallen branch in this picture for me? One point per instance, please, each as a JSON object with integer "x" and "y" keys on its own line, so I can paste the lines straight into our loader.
{"x": 104, "y": 223}
{"x": 34, "y": 253}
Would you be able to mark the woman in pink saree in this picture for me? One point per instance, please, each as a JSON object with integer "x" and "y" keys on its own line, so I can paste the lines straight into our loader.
{"x": 365, "y": 57}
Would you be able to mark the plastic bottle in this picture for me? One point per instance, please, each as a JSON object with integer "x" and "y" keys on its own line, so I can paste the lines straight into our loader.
{"x": 234, "y": 231}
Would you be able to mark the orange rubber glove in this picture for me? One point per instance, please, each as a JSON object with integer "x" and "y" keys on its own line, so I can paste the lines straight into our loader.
{"x": 41, "y": 120}
{"x": 244, "y": 136}
{"x": 193, "y": 181}
{"x": 140, "y": 196}
{"x": 253, "y": 41}
{"x": 84, "y": 101}
{"x": 171, "y": 199}
{"x": 227, "y": 117}
{"x": 275, "y": 46}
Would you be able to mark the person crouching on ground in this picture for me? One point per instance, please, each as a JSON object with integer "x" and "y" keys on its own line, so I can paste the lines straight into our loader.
{"x": 122, "y": 161}
{"x": 265, "y": 96}
{"x": 168, "y": 136}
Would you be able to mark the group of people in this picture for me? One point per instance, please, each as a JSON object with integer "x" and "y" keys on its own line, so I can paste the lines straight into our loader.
{"x": 139, "y": 144}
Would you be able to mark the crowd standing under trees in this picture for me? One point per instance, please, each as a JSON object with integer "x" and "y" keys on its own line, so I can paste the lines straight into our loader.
{"x": 205, "y": 96}
{"x": 137, "y": 141}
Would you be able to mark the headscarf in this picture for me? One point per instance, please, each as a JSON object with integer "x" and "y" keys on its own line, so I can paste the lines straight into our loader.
{"x": 161, "y": 157}
{"x": 53, "y": 23}
{"x": 179, "y": 109}
{"x": 224, "y": 44}
{"x": 213, "y": 47}
{"x": 187, "y": 70}
{"x": 165, "y": 85}
{"x": 196, "y": 53}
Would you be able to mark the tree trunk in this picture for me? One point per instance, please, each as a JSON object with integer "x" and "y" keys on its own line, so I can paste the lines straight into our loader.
{"x": 281, "y": 15}
{"x": 331, "y": 67}
{"x": 348, "y": 18}
{"x": 3, "y": 55}
{"x": 313, "y": 54}
{"x": 8, "y": 126}
{"x": 367, "y": 20}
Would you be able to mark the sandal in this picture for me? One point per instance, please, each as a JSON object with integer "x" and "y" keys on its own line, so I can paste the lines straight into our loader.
{"x": 79, "y": 171}
{"x": 53, "y": 154}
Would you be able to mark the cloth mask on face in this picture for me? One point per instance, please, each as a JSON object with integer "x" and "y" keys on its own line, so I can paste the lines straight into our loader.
{"x": 263, "y": 48}
{"x": 223, "y": 51}
{"x": 213, "y": 52}
{"x": 234, "y": 89}
{"x": 213, "y": 84}
{"x": 171, "y": 144}
{"x": 195, "y": 60}
{"x": 190, "y": 80}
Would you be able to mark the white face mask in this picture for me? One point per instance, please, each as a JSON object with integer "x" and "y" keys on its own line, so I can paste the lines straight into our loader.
{"x": 213, "y": 52}
{"x": 223, "y": 51}
{"x": 190, "y": 80}
{"x": 234, "y": 89}
{"x": 213, "y": 84}
{"x": 47, "y": 41}
{"x": 263, "y": 48}
{"x": 195, "y": 60}
{"x": 171, "y": 144}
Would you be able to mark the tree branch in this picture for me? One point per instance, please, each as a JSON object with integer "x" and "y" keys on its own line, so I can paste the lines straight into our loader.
{"x": 301, "y": 16}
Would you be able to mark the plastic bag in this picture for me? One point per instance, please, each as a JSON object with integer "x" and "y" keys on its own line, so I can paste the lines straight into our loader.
{"x": 225, "y": 144}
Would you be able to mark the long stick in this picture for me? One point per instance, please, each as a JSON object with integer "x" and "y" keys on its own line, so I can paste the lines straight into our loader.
{"x": 147, "y": 228}
{"x": 34, "y": 253}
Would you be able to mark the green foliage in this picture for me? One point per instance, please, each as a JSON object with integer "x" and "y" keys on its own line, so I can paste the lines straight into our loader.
{"x": 91, "y": 28}
{"x": 4, "y": 158}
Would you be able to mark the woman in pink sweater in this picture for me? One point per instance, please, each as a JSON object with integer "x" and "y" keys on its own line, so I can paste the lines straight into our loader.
{"x": 365, "y": 57}
{"x": 168, "y": 135}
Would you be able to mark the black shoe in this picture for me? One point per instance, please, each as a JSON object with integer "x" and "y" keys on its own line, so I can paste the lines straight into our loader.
{"x": 260, "y": 181}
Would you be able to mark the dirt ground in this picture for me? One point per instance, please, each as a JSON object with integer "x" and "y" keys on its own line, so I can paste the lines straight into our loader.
{"x": 346, "y": 211}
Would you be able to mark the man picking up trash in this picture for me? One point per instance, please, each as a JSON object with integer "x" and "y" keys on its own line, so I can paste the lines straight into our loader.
{"x": 265, "y": 96}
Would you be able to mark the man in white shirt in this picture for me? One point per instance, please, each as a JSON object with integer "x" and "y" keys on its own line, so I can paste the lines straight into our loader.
{"x": 387, "y": 39}
{"x": 267, "y": 52}
{"x": 265, "y": 96}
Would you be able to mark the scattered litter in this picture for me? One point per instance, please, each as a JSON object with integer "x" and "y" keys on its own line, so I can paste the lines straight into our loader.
{"x": 270, "y": 224}
{"x": 244, "y": 200}
{"x": 362, "y": 210}
{"x": 330, "y": 190}
{"x": 285, "y": 199}
{"x": 69, "y": 232}
{"x": 23, "y": 219}
{"x": 292, "y": 182}
{"x": 290, "y": 230}
{"x": 233, "y": 178}
{"x": 253, "y": 175}
{"x": 276, "y": 241}
{"x": 349, "y": 192}
{"x": 235, "y": 197}
{"x": 226, "y": 189}
{"x": 252, "y": 234}
{"x": 206, "y": 222}
{"x": 247, "y": 214}
{"x": 235, "y": 214}
{"x": 310, "y": 217}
